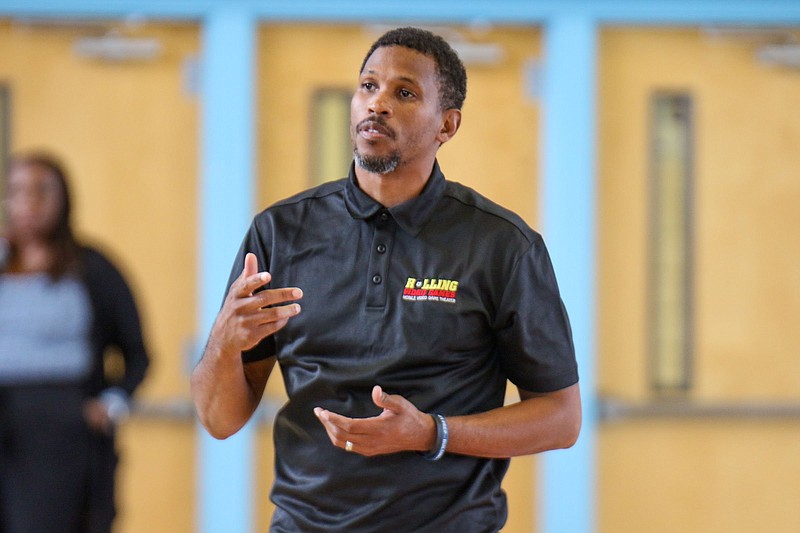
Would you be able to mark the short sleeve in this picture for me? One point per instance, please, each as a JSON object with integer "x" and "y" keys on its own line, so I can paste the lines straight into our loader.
{"x": 534, "y": 338}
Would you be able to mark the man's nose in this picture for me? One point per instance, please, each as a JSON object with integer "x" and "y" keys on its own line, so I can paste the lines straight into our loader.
{"x": 379, "y": 104}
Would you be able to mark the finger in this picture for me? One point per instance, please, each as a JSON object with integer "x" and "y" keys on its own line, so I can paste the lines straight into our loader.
{"x": 263, "y": 330}
{"x": 250, "y": 265}
{"x": 247, "y": 323}
{"x": 331, "y": 429}
{"x": 277, "y": 296}
{"x": 391, "y": 402}
{"x": 330, "y": 419}
{"x": 274, "y": 319}
{"x": 340, "y": 438}
{"x": 250, "y": 279}
{"x": 322, "y": 416}
{"x": 340, "y": 427}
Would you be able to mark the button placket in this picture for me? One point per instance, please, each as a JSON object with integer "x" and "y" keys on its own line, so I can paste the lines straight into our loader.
{"x": 379, "y": 260}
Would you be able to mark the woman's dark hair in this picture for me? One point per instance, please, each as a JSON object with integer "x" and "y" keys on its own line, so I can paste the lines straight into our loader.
{"x": 452, "y": 76}
{"x": 65, "y": 247}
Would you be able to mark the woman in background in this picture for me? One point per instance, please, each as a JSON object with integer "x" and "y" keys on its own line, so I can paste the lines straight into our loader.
{"x": 62, "y": 305}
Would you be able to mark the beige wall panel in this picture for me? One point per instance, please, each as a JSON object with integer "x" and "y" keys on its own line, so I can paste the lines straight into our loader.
{"x": 748, "y": 253}
{"x": 699, "y": 476}
{"x": 632, "y": 65}
{"x": 747, "y": 181}
{"x": 265, "y": 474}
{"x": 157, "y": 477}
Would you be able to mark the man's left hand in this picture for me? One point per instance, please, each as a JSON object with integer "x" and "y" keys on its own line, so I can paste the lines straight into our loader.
{"x": 399, "y": 427}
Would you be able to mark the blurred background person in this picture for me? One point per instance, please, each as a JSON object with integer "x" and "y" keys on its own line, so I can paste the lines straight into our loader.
{"x": 63, "y": 307}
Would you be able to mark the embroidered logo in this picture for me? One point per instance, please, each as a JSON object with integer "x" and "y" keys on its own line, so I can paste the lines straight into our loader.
{"x": 430, "y": 290}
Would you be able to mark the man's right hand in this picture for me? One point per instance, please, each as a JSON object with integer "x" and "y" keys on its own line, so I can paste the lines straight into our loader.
{"x": 248, "y": 316}
{"x": 226, "y": 391}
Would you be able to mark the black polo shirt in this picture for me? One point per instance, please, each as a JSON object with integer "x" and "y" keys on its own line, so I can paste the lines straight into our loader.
{"x": 440, "y": 299}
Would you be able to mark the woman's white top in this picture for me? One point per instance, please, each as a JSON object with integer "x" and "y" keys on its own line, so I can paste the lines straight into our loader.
{"x": 45, "y": 329}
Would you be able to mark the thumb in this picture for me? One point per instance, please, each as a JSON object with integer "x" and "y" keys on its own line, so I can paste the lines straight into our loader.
{"x": 391, "y": 402}
{"x": 250, "y": 265}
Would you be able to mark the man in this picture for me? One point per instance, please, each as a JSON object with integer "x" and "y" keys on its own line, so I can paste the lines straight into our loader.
{"x": 420, "y": 299}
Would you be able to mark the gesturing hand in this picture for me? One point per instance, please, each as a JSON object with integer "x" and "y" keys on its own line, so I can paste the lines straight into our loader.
{"x": 399, "y": 427}
{"x": 246, "y": 316}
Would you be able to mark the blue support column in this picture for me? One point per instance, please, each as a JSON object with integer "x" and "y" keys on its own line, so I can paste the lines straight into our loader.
{"x": 567, "y": 487}
{"x": 225, "y": 469}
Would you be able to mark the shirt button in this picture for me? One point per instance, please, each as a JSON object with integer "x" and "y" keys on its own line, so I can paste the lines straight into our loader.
{"x": 381, "y": 248}
{"x": 384, "y": 216}
{"x": 376, "y": 279}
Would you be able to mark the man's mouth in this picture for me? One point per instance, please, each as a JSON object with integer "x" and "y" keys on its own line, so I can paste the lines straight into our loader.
{"x": 372, "y": 128}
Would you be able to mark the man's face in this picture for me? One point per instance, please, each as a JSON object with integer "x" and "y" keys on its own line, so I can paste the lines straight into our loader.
{"x": 395, "y": 116}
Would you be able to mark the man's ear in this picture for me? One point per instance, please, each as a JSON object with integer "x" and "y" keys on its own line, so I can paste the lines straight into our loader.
{"x": 451, "y": 120}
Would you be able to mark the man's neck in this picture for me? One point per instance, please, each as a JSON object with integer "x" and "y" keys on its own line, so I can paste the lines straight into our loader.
{"x": 393, "y": 188}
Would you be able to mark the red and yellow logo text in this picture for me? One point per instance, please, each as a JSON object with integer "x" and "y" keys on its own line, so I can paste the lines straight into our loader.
{"x": 430, "y": 290}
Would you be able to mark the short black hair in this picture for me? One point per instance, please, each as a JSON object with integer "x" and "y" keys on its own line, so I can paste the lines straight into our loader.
{"x": 451, "y": 72}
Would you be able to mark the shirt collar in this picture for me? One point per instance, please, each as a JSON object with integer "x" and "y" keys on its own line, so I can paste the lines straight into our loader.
{"x": 411, "y": 215}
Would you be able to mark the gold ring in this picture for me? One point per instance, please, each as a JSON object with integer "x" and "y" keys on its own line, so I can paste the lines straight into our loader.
{"x": 348, "y": 446}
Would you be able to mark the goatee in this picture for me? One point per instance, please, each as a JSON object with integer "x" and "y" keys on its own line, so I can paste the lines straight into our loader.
{"x": 377, "y": 164}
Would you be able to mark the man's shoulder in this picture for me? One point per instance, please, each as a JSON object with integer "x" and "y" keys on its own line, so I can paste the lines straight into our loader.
{"x": 301, "y": 199}
{"x": 501, "y": 216}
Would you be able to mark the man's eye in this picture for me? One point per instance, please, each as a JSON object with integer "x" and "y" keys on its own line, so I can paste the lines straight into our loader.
{"x": 405, "y": 93}
{"x": 368, "y": 85}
